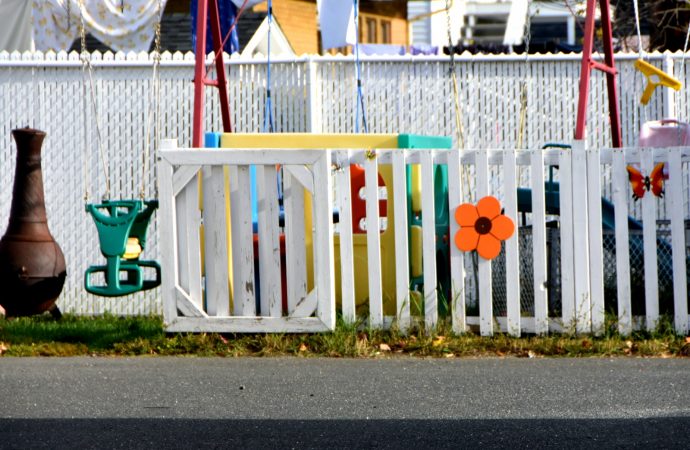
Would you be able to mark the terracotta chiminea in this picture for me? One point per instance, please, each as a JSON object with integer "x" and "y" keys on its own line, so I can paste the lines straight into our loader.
{"x": 32, "y": 266}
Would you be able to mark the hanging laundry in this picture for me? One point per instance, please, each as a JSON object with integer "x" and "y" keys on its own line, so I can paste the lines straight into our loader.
{"x": 337, "y": 23}
{"x": 382, "y": 49}
{"x": 423, "y": 49}
{"x": 123, "y": 25}
{"x": 227, "y": 12}
{"x": 515, "y": 28}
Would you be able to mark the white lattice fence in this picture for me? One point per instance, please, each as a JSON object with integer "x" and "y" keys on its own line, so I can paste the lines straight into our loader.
{"x": 317, "y": 94}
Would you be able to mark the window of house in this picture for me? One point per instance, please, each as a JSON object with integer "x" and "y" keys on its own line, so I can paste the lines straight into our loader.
{"x": 386, "y": 32}
{"x": 371, "y": 26}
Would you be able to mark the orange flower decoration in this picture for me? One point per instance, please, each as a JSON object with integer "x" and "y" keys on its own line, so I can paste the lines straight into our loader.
{"x": 482, "y": 227}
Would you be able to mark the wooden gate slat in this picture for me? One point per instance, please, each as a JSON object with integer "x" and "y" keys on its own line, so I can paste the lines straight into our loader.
{"x": 620, "y": 201}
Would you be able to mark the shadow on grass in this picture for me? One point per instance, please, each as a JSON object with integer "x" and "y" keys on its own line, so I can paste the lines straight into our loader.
{"x": 666, "y": 432}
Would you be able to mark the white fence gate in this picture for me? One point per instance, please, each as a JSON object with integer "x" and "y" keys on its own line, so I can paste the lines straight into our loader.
{"x": 208, "y": 308}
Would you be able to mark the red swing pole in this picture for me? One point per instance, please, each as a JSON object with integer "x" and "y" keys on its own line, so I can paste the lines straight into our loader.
{"x": 607, "y": 67}
{"x": 208, "y": 10}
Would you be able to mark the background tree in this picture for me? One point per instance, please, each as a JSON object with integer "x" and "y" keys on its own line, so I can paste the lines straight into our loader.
{"x": 664, "y": 21}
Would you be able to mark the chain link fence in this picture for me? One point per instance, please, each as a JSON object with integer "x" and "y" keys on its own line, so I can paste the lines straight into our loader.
{"x": 664, "y": 268}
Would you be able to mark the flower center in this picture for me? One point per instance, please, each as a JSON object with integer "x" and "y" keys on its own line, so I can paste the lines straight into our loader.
{"x": 482, "y": 225}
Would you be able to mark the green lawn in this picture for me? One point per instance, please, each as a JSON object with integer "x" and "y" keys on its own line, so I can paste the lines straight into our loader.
{"x": 120, "y": 336}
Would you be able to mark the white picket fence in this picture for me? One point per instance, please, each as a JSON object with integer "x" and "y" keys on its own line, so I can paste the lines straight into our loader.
{"x": 218, "y": 307}
{"x": 310, "y": 94}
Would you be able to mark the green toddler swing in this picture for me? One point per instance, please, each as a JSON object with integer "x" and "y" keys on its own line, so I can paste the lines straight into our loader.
{"x": 122, "y": 225}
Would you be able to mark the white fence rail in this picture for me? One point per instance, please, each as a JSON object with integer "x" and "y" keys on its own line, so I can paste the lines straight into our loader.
{"x": 404, "y": 94}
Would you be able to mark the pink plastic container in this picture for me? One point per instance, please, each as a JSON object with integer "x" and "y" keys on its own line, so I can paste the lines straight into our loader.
{"x": 664, "y": 133}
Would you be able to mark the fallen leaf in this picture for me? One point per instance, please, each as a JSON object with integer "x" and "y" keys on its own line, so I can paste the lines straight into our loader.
{"x": 3, "y": 348}
{"x": 449, "y": 355}
{"x": 438, "y": 341}
{"x": 302, "y": 347}
{"x": 384, "y": 347}
{"x": 666, "y": 355}
{"x": 687, "y": 340}
{"x": 531, "y": 354}
{"x": 629, "y": 344}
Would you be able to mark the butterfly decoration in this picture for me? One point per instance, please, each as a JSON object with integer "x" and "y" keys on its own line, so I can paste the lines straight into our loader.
{"x": 654, "y": 182}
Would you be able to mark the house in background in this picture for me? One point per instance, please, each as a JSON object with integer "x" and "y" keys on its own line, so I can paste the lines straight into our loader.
{"x": 488, "y": 23}
{"x": 296, "y": 26}
{"x": 382, "y": 23}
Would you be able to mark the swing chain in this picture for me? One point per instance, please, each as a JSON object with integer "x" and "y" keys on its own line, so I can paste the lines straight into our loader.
{"x": 86, "y": 64}
{"x": 155, "y": 81}
{"x": 83, "y": 56}
{"x": 456, "y": 101}
{"x": 524, "y": 85}
{"x": 451, "y": 68}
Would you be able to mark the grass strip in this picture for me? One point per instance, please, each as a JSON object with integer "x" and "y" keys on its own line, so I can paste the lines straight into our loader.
{"x": 131, "y": 336}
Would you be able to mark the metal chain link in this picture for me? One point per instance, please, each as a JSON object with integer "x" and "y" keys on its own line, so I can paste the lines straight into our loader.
{"x": 88, "y": 69}
{"x": 155, "y": 83}
{"x": 454, "y": 78}
{"x": 527, "y": 33}
{"x": 460, "y": 134}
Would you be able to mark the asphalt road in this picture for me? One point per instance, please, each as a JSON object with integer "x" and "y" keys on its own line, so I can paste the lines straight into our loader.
{"x": 339, "y": 403}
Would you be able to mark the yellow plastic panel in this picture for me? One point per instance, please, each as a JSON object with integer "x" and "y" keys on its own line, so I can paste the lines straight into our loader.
{"x": 307, "y": 140}
{"x": 416, "y": 187}
{"x": 416, "y": 267}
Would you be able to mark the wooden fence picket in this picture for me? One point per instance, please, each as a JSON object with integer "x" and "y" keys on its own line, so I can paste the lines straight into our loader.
{"x": 373, "y": 224}
{"x": 649, "y": 237}
{"x": 565, "y": 198}
{"x": 541, "y": 307}
{"x": 512, "y": 246}
{"x": 457, "y": 269}
{"x": 620, "y": 201}
{"x": 402, "y": 274}
{"x": 347, "y": 275}
{"x": 596, "y": 242}
{"x": 486, "y": 313}
{"x": 674, "y": 189}
{"x": 429, "y": 240}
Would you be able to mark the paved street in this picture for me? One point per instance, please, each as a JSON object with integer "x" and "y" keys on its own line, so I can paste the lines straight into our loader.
{"x": 341, "y": 403}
